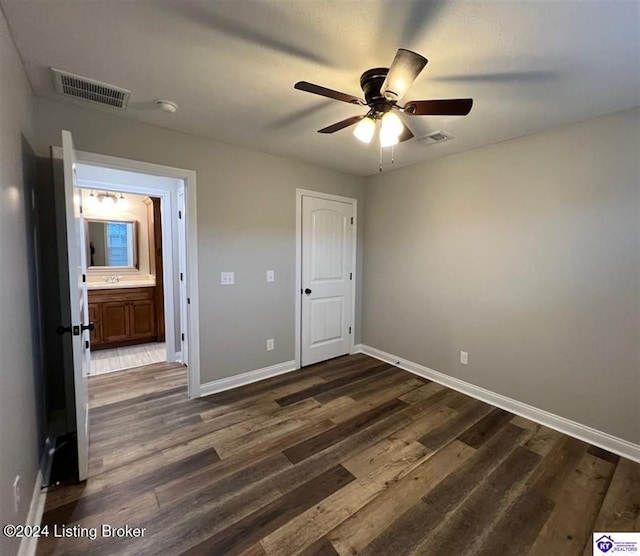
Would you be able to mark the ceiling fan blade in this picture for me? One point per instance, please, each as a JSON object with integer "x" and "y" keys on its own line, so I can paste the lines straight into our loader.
{"x": 403, "y": 71}
{"x": 341, "y": 125}
{"x": 445, "y": 107}
{"x": 324, "y": 92}
{"x": 406, "y": 134}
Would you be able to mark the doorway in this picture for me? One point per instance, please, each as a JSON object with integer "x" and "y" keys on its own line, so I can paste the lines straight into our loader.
{"x": 175, "y": 193}
{"x": 325, "y": 276}
{"x": 125, "y": 283}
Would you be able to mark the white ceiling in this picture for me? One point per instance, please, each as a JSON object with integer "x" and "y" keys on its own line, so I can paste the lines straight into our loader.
{"x": 231, "y": 66}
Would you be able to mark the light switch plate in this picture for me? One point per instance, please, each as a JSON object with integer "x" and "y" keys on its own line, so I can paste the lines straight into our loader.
{"x": 464, "y": 358}
{"x": 270, "y": 344}
{"x": 271, "y": 275}
{"x": 227, "y": 278}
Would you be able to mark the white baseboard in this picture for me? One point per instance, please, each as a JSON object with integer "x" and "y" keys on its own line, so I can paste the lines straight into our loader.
{"x": 358, "y": 348}
{"x": 593, "y": 436}
{"x": 28, "y": 545}
{"x": 246, "y": 378}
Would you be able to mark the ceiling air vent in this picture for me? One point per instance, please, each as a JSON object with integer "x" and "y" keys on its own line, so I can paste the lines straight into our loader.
{"x": 89, "y": 89}
{"x": 436, "y": 137}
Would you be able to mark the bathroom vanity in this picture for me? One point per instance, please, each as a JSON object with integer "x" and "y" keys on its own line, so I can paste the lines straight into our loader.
{"x": 123, "y": 315}
{"x": 125, "y": 285}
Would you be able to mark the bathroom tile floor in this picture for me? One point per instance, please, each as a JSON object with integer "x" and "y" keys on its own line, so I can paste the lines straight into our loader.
{"x": 117, "y": 359}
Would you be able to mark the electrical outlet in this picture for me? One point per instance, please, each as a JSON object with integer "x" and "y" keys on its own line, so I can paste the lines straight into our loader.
{"x": 270, "y": 344}
{"x": 227, "y": 278}
{"x": 271, "y": 275}
{"x": 464, "y": 358}
{"x": 16, "y": 493}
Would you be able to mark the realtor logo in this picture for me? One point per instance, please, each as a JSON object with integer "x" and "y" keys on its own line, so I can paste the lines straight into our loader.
{"x": 604, "y": 543}
{"x": 613, "y": 544}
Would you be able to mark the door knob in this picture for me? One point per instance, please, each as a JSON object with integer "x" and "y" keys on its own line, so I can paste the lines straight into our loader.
{"x": 307, "y": 291}
{"x": 91, "y": 327}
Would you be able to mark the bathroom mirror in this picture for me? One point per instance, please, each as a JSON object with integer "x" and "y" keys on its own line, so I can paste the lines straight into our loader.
{"x": 112, "y": 244}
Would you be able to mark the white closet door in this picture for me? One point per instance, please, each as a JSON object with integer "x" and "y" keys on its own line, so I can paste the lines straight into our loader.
{"x": 327, "y": 278}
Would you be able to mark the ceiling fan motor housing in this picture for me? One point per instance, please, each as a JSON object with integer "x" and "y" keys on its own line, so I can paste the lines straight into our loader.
{"x": 371, "y": 82}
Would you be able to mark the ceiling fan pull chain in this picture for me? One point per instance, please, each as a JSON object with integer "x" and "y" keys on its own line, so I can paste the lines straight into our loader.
{"x": 380, "y": 169}
{"x": 392, "y": 154}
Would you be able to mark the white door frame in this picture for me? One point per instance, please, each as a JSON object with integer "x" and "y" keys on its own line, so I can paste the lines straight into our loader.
{"x": 168, "y": 196}
{"x": 298, "y": 317}
{"x": 182, "y": 267}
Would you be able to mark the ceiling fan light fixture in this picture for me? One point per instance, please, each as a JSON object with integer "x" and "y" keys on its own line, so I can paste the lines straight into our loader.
{"x": 391, "y": 125}
{"x": 365, "y": 129}
{"x": 388, "y": 139}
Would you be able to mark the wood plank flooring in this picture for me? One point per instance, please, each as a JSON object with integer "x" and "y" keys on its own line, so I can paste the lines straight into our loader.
{"x": 350, "y": 456}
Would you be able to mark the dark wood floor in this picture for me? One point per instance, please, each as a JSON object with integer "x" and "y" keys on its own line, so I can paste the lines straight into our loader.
{"x": 351, "y": 456}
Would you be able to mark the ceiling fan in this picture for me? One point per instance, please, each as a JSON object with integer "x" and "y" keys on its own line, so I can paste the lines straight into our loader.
{"x": 383, "y": 88}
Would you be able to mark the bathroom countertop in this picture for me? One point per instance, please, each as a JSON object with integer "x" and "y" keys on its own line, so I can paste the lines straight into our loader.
{"x": 121, "y": 285}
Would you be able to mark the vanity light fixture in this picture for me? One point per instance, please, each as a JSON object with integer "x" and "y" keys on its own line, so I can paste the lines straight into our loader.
{"x": 92, "y": 201}
{"x": 106, "y": 199}
{"x": 122, "y": 202}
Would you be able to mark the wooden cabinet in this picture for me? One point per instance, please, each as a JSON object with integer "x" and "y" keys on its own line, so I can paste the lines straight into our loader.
{"x": 142, "y": 319}
{"x": 122, "y": 316}
{"x": 115, "y": 321}
{"x": 96, "y": 318}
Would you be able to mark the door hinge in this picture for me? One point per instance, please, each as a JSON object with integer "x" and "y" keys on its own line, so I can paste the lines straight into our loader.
{"x": 84, "y": 278}
{"x": 352, "y": 220}
{"x": 182, "y": 336}
{"x": 349, "y": 330}
{"x": 181, "y": 277}
{"x": 180, "y": 214}
{"x": 350, "y": 275}
{"x": 86, "y": 344}
{"x": 188, "y": 301}
{"x": 81, "y": 211}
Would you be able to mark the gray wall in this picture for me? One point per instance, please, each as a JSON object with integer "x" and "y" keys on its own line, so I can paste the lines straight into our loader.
{"x": 20, "y": 393}
{"x": 526, "y": 254}
{"x": 246, "y": 224}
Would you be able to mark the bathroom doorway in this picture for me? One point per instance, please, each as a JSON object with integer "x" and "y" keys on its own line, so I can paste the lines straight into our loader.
{"x": 125, "y": 283}
{"x": 170, "y": 195}
{"x": 131, "y": 285}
